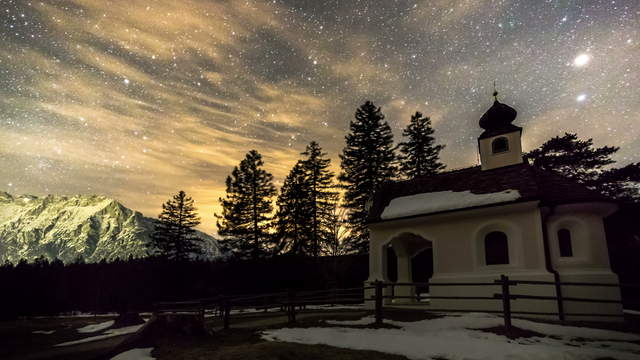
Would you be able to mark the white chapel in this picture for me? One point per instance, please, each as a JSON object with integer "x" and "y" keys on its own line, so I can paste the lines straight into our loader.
{"x": 502, "y": 217}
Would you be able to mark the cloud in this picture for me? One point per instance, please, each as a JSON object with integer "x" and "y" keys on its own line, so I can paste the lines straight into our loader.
{"x": 140, "y": 99}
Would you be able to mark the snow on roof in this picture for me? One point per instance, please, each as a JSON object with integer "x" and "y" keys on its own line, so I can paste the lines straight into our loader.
{"x": 426, "y": 203}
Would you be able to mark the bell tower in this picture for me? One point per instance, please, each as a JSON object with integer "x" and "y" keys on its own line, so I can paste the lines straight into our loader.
{"x": 500, "y": 144}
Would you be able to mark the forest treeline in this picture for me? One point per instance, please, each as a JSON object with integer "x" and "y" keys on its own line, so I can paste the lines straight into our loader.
{"x": 319, "y": 213}
{"x": 48, "y": 287}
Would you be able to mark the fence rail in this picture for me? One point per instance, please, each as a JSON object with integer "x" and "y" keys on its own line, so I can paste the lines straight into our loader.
{"x": 291, "y": 301}
{"x": 505, "y": 296}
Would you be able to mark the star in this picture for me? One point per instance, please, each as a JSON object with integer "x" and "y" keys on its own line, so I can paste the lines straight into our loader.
{"x": 581, "y": 60}
{"x": 185, "y": 91}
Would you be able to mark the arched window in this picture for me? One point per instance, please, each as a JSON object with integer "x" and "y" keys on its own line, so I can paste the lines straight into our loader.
{"x": 499, "y": 145}
{"x": 496, "y": 248}
{"x": 564, "y": 242}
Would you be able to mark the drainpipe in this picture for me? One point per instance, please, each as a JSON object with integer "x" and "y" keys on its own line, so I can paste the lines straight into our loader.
{"x": 548, "y": 264}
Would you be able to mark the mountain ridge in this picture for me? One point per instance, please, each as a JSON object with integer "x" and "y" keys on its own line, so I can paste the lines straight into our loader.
{"x": 93, "y": 227}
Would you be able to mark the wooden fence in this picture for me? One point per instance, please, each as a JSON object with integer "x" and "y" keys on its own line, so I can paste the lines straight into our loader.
{"x": 290, "y": 302}
{"x": 506, "y": 296}
{"x": 293, "y": 301}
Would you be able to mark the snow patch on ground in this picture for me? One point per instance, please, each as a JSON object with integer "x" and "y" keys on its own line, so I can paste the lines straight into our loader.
{"x": 107, "y": 334}
{"x": 632, "y": 312}
{"x": 135, "y": 354}
{"x": 43, "y": 332}
{"x": 96, "y": 327}
{"x": 443, "y": 200}
{"x": 458, "y": 337}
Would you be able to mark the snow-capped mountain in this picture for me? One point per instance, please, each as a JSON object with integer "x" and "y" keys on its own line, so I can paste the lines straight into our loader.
{"x": 66, "y": 227}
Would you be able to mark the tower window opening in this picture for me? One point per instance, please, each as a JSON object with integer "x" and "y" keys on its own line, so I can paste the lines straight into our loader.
{"x": 500, "y": 145}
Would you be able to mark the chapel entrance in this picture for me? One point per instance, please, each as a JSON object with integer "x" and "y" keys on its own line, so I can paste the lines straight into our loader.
{"x": 410, "y": 259}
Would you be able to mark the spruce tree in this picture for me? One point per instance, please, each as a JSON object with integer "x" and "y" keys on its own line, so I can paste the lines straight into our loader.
{"x": 367, "y": 161}
{"x": 246, "y": 209}
{"x": 294, "y": 215}
{"x": 419, "y": 153}
{"x": 174, "y": 236}
{"x": 321, "y": 195}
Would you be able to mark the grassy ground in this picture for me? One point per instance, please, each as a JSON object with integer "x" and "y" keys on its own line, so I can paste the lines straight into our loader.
{"x": 18, "y": 340}
{"x": 246, "y": 344}
{"x": 242, "y": 341}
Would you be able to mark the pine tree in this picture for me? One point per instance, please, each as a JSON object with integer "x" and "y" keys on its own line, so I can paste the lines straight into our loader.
{"x": 174, "y": 236}
{"x": 246, "y": 209}
{"x": 573, "y": 158}
{"x": 621, "y": 183}
{"x": 419, "y": 154}
{"x": 294, "y": 216}
{"x": 580, "y": 161}
{"x": 321, "y": 195}
{"x": 367, "y": 161}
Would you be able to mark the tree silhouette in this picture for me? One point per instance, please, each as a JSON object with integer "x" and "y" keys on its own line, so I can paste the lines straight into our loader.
{"x": 572, "y": 157}
{"x": 174, "y": 236}
{"x": 580, "y": 161}
{"x": 367, "y": 161}
{"x": 246, "y": 209}
{"x": 320, "y": 193}
{"x": 339, "y": 230}
{"x": 294, "y": 215}
{"x": 419, "y": 153}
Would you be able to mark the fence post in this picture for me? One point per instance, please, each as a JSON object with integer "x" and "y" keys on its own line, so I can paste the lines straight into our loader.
{"x": 333, "y": 297}
{"x": 378, "y": 299}
{"x": 226, "y": 314}
{"x": 559, "y": 298}
{"x": 506, "y": 302}
{"x": 292, "y": 306}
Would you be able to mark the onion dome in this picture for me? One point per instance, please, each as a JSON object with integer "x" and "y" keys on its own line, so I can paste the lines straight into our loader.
{"x": 499, "y": 116}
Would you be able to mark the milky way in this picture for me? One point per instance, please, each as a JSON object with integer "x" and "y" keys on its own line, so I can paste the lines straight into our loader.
{"x": 139, "y": 99}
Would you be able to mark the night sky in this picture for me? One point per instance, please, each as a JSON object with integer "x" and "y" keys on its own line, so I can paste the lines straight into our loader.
{"x": 139, "y": 99}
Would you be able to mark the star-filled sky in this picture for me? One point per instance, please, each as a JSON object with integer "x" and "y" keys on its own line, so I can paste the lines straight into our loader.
{"x": 138, "y": 99}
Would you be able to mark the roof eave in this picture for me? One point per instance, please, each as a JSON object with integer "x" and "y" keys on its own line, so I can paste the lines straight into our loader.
{"x": 521, "y": 200}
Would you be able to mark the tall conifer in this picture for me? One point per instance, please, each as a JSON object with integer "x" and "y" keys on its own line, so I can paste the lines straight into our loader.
{"x": 294, "y": 215}
{"x": 321, "y": 195}
{"x": 367, "y": 161}
{"x": 174, "y": 236}
{"x": 246, "y": 209}
{"x": 419, "y": 153}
